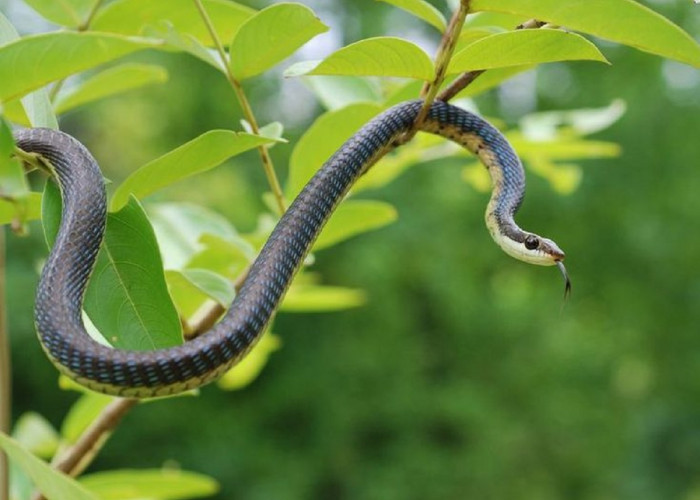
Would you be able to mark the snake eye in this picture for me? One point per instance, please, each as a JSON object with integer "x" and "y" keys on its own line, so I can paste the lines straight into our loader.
{"x": 532, "y": 242}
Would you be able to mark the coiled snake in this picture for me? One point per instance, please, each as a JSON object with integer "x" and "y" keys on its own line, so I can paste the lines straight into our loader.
{"x": 205, "y": 358}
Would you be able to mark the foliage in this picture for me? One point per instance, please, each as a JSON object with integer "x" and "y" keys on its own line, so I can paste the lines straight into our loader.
{"x": 193, "y": 254}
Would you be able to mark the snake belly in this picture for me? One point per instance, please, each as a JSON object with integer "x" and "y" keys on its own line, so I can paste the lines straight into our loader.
{"x": 131, "y": 373}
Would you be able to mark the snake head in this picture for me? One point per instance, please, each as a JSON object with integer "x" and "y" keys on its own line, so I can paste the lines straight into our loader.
{"x": 545, "y": 252}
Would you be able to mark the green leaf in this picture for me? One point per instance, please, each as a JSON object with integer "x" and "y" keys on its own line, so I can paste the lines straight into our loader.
{"x": 53, "y": 484}
{"x": 36, "y": 434}
{"x": 183, "y": 42}
{"x": 564, "y": 148}
{"x": 337, "y": 92}
{"x": 127, "y": 298}
{"x": 214, "y": 285}
{"x": 492, "y": 78}
{"x": 130, "y": 17}
{"x": 191, "y": 288}
{"x": 515, "y": 48}
{"x": 564, "y": 178}
{"x": 322, "y": 139}
{"x": 381, "y": 56}
{"x": 179, "y": 227}
{"x": 112, "y": 81}
{"x": 198, "y": 155}
{"x": 271, "y": 35}
{"x": 422, "y": 10}
{"x": 83, "y": 413}
{"x": 222, "y": 256}
{"x": 545, "y": 125}
{"x": 25, "y": 209}
{"x": 12, "y": 181}
{"x": 317, "y": 298}
{"x": 70, "y": 13}
{"x": 623, "y": 21}
{"x": 354, "y": 217}
{"x": 36, "y": 60}
{"x": 155, "y": 484}
{"x": 35, "y": 109}
{"x": 250, "y": 367}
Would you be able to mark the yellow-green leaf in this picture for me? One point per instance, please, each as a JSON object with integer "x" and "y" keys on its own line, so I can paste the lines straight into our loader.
{"x": 25, "y": 209}
{"x": 324, "y": 137}
{"x": 318, "y": 298}
{"x": 354, "y": 217}
{"x": 112, "y": 81}
{"x": 380, "y": 56}
{"x": 422, "y": 10}
{"x": 515, "y": 48}
{"x": 154, "y": 484}
{"x": 270, "y": 36}
{"x": 70, "y": 13}
{"x": 337, "y": 92}
{"x": 131, "y": 17}
{"x": 83, "y": 413}
{"x": 250, "y": 367}
{"x": 623, "y": 21}
{"x": 198, "y": 155}
{"x": 36, "y": 60}
{"x": 36, "y": 434}
{"x": 51, "y": 483}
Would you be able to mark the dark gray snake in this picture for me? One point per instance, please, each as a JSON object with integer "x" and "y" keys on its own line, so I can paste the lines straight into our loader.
{"x": 205, "y": 358}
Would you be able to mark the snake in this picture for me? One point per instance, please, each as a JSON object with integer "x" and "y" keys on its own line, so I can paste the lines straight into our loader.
{"x": 161, "y": 372}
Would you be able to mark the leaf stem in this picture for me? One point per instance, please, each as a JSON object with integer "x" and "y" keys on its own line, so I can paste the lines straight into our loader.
{"x": 268, "y": 167}
{"x": 5, "y": 374}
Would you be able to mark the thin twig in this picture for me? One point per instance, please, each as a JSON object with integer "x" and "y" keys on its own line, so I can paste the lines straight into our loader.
{"x": 247, "y": 110}
{"x": 467, "y": 78}
{"x": 5, "y": 380}
{"x": 76, "y": 458}
{"x": 447, "y": 46}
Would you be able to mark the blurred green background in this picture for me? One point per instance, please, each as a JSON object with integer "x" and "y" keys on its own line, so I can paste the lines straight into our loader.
{"x": 462, "y": 377}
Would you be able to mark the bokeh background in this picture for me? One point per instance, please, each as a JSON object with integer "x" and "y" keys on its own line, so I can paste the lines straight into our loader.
{"x": 463, "y": 376}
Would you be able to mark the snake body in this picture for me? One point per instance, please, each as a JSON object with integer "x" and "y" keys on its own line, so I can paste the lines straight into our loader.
{"x": 132, "y": 373}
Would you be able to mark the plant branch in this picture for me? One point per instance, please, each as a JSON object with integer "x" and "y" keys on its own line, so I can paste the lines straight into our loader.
{"x": 268, "y": 167}
{"x": 465, "y": 79}
{"x": 5, "y": 380}
{"x": 442, "y": 60}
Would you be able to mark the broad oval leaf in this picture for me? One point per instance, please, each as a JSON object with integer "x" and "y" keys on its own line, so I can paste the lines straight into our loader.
{"x": 70, "y": 13}
{"x": 250, "y": 367}
{"x": 50, "y": 482}
{"x": 130, "y": 17}
{"x": 191, "y": 288}
{"x": 34, "y": 110}
{"x": 516, "y": 48}
{"x": 322, "y": 139}
{"x": 380, "y": 56}
{"x": 354, "y": 217}
{"x": 34, "y": 61}
{"x": 270, "y": 36}
{"x": 22, "y": 210}
{"x": 36, "y": 434}
{"x": 623, "y": 21}
{"x": 318, "y": 298}
{"x": 127, "y": 298}
{"x": 112, "y": 81}
{"x": 422, "y": 10}
{"x": 198, "y": 155}
{"x": 337, "y": 92}
{"x": 154, "y": 484}
{"x": 179, "y": 227}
